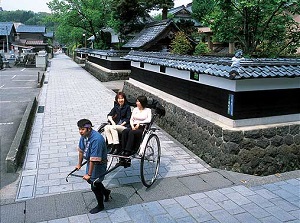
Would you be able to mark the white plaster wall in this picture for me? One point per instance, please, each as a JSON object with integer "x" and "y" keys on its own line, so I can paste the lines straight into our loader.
{"x": 223, "y": 83}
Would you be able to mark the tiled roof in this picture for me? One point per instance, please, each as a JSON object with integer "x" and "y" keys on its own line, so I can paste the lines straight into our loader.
{"x": 3, "y": 26}
{"x": 35, "y": 43}
{"x": 176, "y": 9}
{"x": 109, "y": 53}
{"x": 221, "y": 66}
{"x": 148, "y": 34}
{"x": 31, "y": 29}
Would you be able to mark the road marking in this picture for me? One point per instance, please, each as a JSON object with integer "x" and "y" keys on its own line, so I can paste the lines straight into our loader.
{"x": 23, "y": 69}
{"x": 24, "y": 80}
{"x": 13, "y": 76}
{"x": 6, "y": 123}
{"x": 2, "y": 86}
{"x": 13, "y": 101}
{"x": 5, "y": 88}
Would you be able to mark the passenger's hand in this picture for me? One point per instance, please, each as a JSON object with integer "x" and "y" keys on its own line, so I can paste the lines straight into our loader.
{"x": 86, "y": 177}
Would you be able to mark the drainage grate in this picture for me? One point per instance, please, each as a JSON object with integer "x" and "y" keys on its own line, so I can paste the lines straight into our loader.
{"x": 45, "y": 82}
{"x": 41, "y": 109}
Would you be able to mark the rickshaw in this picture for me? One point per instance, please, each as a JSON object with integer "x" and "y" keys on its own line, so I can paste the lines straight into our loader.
{"x": 149, "y": 151}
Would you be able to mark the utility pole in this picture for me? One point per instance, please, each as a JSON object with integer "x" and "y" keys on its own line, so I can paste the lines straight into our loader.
{"x": 7, "y": 40}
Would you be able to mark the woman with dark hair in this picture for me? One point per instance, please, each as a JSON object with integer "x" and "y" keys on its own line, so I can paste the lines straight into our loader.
{"x": 139, "y": 118}
{"x": 119, "y": 118}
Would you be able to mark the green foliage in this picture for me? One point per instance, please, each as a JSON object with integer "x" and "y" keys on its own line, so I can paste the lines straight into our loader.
{"x": 85, "y": 17}
{"x": 201, "y": 49}
{"x": 264, "y": 28}
{"x": 27, "y": 18}
{"x": 180, "y": 44}
{"x": 90, "y": 16}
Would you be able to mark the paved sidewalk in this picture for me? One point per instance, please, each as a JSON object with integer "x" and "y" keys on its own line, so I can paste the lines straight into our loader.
{"x": 188, "y": 190}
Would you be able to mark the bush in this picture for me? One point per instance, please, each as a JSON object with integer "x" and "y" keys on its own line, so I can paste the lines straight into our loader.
{"x": 180, "y": 44}
{"x": 201, "y": 48}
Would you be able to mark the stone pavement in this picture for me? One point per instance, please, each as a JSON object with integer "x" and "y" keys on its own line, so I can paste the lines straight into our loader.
{"x": 188, "y": 190}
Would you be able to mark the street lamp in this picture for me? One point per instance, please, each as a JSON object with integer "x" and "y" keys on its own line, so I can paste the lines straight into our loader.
{"x": 84, "y": 40}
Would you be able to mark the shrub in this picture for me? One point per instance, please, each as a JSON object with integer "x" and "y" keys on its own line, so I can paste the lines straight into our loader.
{"x": 201, "y": 48}
{"x": 180, "y": 44}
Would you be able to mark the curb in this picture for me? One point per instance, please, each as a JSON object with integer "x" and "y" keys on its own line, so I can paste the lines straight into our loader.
{"x": 16, "y": 150}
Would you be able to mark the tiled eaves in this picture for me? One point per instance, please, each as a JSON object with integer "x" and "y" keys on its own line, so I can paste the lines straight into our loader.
{"x": 109, "y": 53}
{"x": 221, "y": 66}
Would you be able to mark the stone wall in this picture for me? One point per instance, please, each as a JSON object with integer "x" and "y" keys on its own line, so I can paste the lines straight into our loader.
{"x": 262, "y": 151}
{"x": 106, "y": 76}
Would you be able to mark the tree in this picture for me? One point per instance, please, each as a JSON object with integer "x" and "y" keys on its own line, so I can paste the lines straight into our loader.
{"x": 180, "y": 44}
{"x": 261, "y": 27}
{"x": 86, "y": 17}
{"x": 131, "y": 16}
{"x": 158, "y": 4}
{"x": 127, "y": 17}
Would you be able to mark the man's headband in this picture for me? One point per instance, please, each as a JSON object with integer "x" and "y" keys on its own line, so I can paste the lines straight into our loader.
{"x": 87, "y": 126}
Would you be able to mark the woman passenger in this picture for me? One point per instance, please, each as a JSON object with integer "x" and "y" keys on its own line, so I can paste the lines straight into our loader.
{"x": 140, "y": 116}
{"x": 119, "y": 118}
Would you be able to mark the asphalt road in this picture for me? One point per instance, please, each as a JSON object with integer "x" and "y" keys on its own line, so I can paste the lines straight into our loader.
{"x": 18, "y": 86}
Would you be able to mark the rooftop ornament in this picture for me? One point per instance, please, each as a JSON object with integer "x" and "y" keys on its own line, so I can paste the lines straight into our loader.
{"x": 235, "y": 66}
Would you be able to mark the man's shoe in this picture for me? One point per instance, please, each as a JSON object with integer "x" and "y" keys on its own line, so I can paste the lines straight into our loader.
{"x": 96, "y": 209}
{"x": 107, "y": 195}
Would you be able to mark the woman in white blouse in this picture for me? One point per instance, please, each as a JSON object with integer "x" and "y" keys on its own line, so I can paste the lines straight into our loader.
{"x": 140, "y": 116}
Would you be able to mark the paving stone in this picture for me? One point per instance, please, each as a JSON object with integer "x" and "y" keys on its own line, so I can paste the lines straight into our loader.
{"x": 61, "y": 220}
{"x": 188, "y": 219}
{"x": 208, "y": 204}
{"x": 285, "y": 205}
{"x": 194, "y": 183}
{"x": 13, "y": 213}
{"x": 260, "y": 201}
{"x": 26, "y": 192}
{"x": 118, "y": 215}
{"x": 243, "y": 190}
{"x": 231, "y": 207}
{"x": 79, "y": 219}
{"x": 246, "y": 218}
{"x": 238, "y": 198}
{"x": 223, "y": 216}
{"x": 186, "y": 201}
{"x": 40, "y": 209}
{"x": 69, "y": 204}
{"x": 28, "y": 180}
{"x": 154, "y": 208}
{"x": 270, "y": 219}
{"x": 280, "y": 214}
{"x": 164, "y": 218}
{"x": 176, "y": 211}
{"x": 216, "y": 195}
{"x": 255, "y": 210}
{"x": 138, "y": 214}
{"x": 200, "y": 214}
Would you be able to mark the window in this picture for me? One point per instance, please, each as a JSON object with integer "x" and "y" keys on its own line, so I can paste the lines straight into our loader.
{"x": 194, "y": 76}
